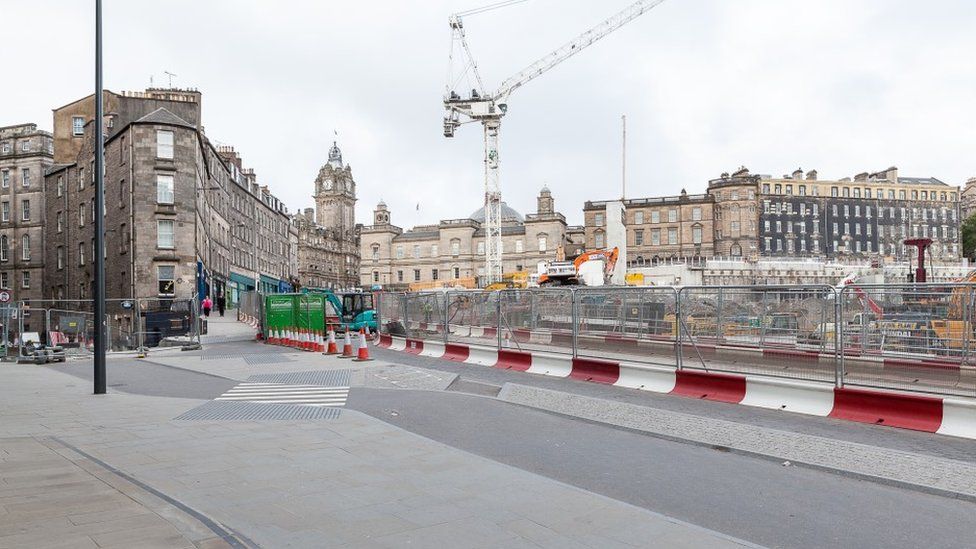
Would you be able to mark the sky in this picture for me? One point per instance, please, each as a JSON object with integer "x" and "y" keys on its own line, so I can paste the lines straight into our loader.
{"x": 840, "y": 86}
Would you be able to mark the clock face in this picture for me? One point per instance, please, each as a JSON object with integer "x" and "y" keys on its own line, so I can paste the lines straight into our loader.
{"x": 328, "y": 184}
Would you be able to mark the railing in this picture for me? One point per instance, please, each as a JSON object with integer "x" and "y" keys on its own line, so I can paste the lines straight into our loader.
{"x": 913, "y": 337}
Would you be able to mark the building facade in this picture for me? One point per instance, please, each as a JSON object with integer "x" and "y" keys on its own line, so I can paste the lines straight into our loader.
{"x": 26, "y": 153}
{"x": 453, "y": 250}
{"x": 180, "y": 219}
{"x": 667, "y": 227}
{"x": 328, "y": 251}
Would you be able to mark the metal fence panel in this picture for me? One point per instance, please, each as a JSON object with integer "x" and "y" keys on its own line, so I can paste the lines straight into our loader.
{"x": 769, "y": 330}
{"x": 424, "y": 315}
{"x": 472, "y": 317}
{"x": 537, "y": 319}
{"x": 631, "y": 324}
{"x": 909, "y": 337}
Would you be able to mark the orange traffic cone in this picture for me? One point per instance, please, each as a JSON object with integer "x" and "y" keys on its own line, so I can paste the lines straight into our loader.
{"x": 331, "y": 347}
{"x": 363, "y": 355}
{"x": 346, "y": 346}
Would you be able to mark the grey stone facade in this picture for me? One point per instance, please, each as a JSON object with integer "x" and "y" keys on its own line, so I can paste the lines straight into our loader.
{"x": 26, "y": 153}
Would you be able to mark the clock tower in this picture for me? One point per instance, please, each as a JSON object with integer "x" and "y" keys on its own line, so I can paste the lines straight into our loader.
{"x": 335, "y": 195}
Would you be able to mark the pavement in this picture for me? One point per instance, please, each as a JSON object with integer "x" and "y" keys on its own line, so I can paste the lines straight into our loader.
{"x": 137, "y": 468}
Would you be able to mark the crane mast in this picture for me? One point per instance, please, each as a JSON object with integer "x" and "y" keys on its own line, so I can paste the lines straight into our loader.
{"x": 489, "y": 109}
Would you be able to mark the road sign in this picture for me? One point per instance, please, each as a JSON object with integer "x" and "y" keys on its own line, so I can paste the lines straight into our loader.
{"x": 4, "y": 296}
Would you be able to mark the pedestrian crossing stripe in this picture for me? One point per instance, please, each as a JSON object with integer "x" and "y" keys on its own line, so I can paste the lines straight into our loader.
{"x": 282, "y": 393}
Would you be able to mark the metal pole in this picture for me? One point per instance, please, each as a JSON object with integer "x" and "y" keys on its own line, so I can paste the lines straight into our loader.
{"x": 678, "y": 323}
{"x": 498, "y": 317}
{"x": 839, "y": 338}
{"x": 99, "y": 374}
{"x": 718, "y": 316}
{"x": 575, "y": 322}
{"x": 447, "y": 317}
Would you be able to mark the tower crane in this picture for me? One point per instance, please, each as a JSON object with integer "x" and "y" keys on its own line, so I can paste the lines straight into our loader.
{"x": 490, "y": 108}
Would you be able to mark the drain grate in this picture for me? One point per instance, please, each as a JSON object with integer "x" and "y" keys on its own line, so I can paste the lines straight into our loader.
{"x": 253, "y": 411}
{"x": 266, "y": 358}
{"x": 328, "y": 378}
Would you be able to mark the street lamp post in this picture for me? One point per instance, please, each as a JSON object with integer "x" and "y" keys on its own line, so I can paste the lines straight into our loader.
{"x": 99, "y": 373}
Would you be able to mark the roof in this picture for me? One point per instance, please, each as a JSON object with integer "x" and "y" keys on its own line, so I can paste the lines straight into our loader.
{"x": 164, "y": 116}
{"x": 417, "y": 235}
{"x": 921, "y": 181}
{"x": 507, "y": 214}
{"x": 507, "y": 230}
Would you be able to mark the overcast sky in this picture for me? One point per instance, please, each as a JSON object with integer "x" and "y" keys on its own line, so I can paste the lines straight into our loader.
{"x": 842, "y": 86}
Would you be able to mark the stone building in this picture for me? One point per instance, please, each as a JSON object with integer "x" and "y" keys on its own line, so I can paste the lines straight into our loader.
{"x": 328, "y": 248}
{"x": 668, "y": 227}
{"x": 453, "y": 250}
{"x": 801, "y": 215}
{"x": 180, "y": 219}
{"x": 967, "y": 199}
{"x": 25, "y": 154}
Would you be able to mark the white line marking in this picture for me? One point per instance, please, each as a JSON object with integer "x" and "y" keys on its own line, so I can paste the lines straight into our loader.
{"x": 285, "y": 391}
{"x": 287, "y": 397}
{"x": 288, "y": 401}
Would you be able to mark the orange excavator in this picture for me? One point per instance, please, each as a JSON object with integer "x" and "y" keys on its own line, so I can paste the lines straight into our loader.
{"x": 567, "y": 273}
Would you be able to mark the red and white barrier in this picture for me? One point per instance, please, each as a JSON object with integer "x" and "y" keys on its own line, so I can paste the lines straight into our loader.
{"x": 949, "y": 416}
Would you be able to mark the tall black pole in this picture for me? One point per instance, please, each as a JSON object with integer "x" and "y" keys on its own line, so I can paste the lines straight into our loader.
{"x": 100, "y": 211}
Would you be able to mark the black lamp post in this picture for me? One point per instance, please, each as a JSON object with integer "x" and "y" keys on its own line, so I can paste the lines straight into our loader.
{"x": 99, "y": 374}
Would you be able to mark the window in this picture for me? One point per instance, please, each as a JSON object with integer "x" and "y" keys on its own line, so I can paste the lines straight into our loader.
{"x": 376, "y": 253}
{"x": 789, "y": 190}
{"x": 124, "y": 247}
{"x": 867, "y": 193}
{"x": 696, "y": 235}
{"x": 77, "y": 125}
{"x": 639, "y": 218}
{"x": 433, "y": 274}
{"x": 696, "y": 214}
{"x": 455, "y": 248}
{"x": 164, "y": 144}
{"x": 4, "y": 249}
{"x": 847, "y": 192}
{"x": 165, "y": 193}
{"x": 416, "y": 275}
{"x": 542, "y": 243}
{"x": 672, "y": 215}
{"x": 914, "y": 195}
{"x": 803, "y": 190}
{"x": 5, "y": 178}
{"x": 60, "y": 221}
{"x": 598, "y": 220}
{"x": 766, "y": 225}
{"x": 416, "y": 251}
{"x": 599, "y": 240}
{"x": 901, "y": 194}
{"x": 60, "y": 256}
{"x": 399, "y": 276}
{"x": 25, "y": 279}
{"x": 25, "y": 210}
{"x": 778, "y": 189}
{"x": 655, "y": 217}
{"x": 765, "y": 188}
{"x": 166, "y": 279}
{"x": 5, "y": 211}
{"x": 81, "y": 214}
{"x": 165, "y": 237}
{"x": 399, "y": 252}
{"x": 519, "y": 248}
{"x": 81, "y": 253}
{"x": 672, "y": 235}
{"x": 457, "y": 273}
{"x": 25, "y": 177}
{"x": 857, "y": 192}
{"x": 481, "y": 248}
{"x": 60, "y": 186}
{"x": 639, "y": 237}
{"x": 376, "y": 276}
{"x": 735, "y": 228}
{"x": 433, "y": 250}
{"x": 655, "y": 237}
{"x": 833, "y": 191}
{"x": 93, "y": 210}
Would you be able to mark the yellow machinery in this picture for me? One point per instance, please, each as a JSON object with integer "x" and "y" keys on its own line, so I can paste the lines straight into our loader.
{"x": 514, "y": 280}
{"x": 956, "y": 330}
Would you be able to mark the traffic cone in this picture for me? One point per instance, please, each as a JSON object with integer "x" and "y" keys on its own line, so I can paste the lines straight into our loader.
{"x": 309, "y": 340}
{"x": 331, "y": 348}
{"x": 363, "y": 355}
{"x": 320, "y": 338}
{"x": 305, "y": 339}
{"x": 346, "y": 346}
{"x": 273, "y": 339}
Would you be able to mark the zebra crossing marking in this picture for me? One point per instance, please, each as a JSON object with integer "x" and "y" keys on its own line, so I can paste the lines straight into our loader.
{"x": 283, "y": 393}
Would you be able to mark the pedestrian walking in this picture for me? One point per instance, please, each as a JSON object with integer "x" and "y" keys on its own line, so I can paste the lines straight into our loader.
{"x": 221, "y": 303}
{"x": 207, "y": 305}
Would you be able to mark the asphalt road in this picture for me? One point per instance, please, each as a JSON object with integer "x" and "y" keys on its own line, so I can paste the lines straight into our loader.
{"x": 754, "y": 499}
{"x": 747, "y": 497}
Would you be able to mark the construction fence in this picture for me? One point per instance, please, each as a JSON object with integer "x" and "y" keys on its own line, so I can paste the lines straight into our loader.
{"x": 131, "y": 324}
{"x": 915, "y": 337}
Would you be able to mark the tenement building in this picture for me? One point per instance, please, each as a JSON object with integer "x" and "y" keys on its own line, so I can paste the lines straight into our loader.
{"x": 182, "y": 218}
{"x": 668, "y": 227}
{"x": 25, "y": 154}
{"x": 453, "y": 250}
{"x": 870, "y": 214}
{"x": 327, "y": 237}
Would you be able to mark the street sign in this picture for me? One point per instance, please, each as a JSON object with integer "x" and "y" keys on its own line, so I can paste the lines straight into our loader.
{"x": 4, "y": 296}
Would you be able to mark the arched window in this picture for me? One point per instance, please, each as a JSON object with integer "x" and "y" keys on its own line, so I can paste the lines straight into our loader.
{"x": 376, "y": 252}
{"x": 735, "y": 251}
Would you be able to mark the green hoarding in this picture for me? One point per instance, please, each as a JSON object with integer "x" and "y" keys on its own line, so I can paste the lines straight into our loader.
{"x": 310, "y": 311}
{"x": 279, "y": 311}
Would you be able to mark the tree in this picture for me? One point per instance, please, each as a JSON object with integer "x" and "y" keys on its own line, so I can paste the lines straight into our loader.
{"x": 969, "y": 237}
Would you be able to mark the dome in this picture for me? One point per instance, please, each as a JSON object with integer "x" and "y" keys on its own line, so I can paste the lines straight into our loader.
{"x": 381, "y": 205}
{"x": 545, "y": 189}
{"x": 335, "y": 155}
{"x": 508, "y": 214}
